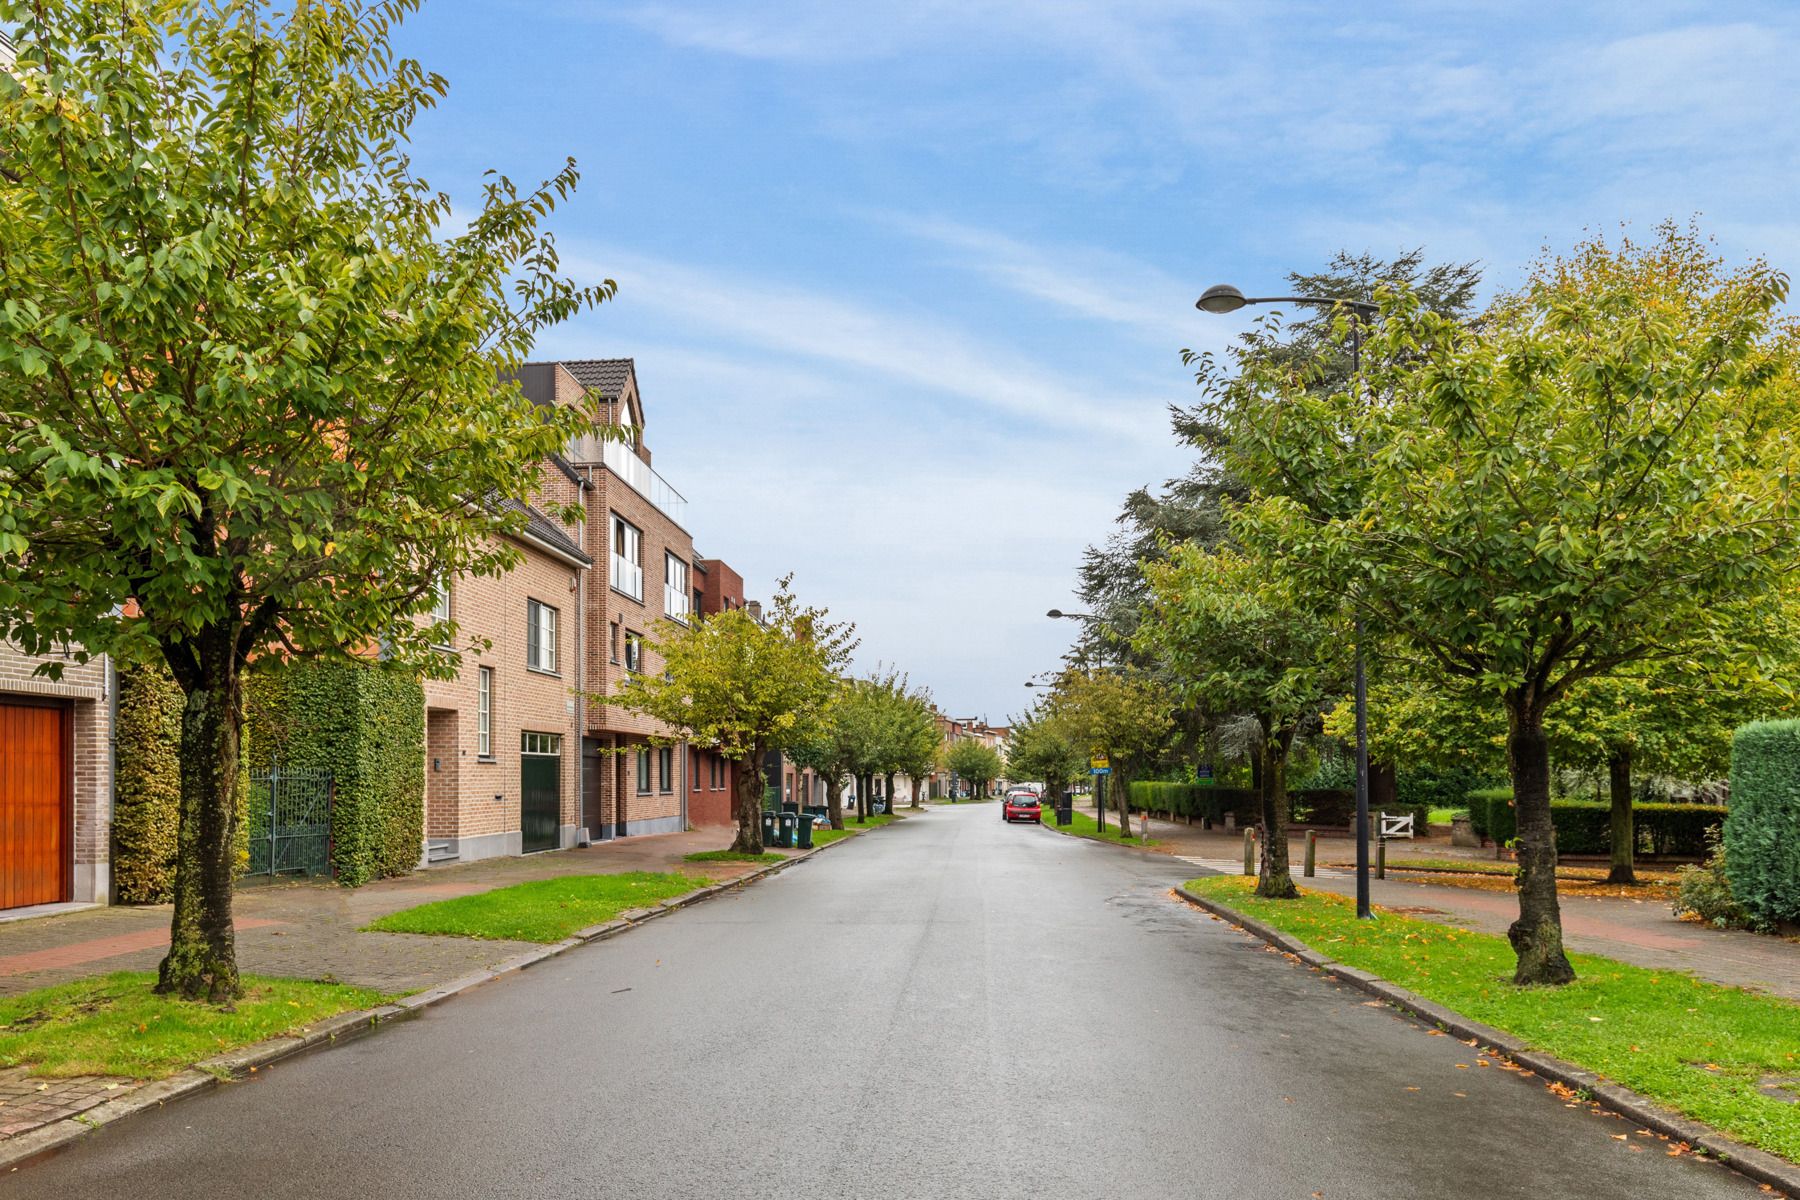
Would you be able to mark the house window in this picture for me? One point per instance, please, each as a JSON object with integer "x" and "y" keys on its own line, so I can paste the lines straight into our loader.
{"x": 699, "y": 601}
{"x": 547, "y": 744}
{"x": 627, "y": 558}
{"x": 693, "y": 770}
{"x": 484, "y": 712}
{"x": 540, "y": 637}
{"x": 665, "y": 769}
{"x": 440, "y": 611}
{"x": 643, "y": 772}
{"x": 675, "y": 588}
{"x": 634, "y": 652}
{"x": 615, "y": 641}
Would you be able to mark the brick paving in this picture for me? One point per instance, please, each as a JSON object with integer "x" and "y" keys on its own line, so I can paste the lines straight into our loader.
{"x": 1643, "y": 932}
{"x": 26, "y": 1103}
{"x": 311, "y": 930}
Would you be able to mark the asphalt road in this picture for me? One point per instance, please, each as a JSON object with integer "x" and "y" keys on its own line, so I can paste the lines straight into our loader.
{"x": 949, "y": 1007}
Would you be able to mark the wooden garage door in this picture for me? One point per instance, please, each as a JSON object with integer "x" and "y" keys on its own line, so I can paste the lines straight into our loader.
{"x": 34, "y": 806}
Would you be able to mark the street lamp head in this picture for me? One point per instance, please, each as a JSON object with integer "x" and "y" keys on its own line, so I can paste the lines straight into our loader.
{"x": 1054, "y": 614}
{"x": 1219, "y": 299}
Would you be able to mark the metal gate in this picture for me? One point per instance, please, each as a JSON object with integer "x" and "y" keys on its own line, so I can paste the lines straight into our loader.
{"x": 540, "y": 790}
{"x": 290, "y": 822}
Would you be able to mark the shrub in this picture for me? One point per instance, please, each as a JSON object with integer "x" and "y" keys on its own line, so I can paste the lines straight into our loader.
{"x": 1705, "y": 892}
{"x": 1430, "y": 788}
{"x": 1482, "y": 803}
{"x": 1762, "y": 832}
{"x": 147, "y": 800}
{"x": 1323, "y": 806}
{"x": 365, "y": 724}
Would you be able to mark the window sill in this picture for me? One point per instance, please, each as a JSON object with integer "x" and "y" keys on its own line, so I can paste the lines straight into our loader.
{"x": 617, "y": 591}
{"x": 541, "y": 671}
{"x": 489, "y": 759}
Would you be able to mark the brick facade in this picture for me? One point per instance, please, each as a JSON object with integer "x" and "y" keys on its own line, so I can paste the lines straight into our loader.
{"x": 84, "y": 695}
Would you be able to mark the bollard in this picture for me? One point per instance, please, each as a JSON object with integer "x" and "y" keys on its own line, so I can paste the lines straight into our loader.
{"x": 1312, "y": 851}
{"x": 1250, "y": 851}
{"x": 1381, "y": 859}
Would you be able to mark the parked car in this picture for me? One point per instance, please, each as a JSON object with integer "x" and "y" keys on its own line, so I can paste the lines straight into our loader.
{"x": 1021, "y": 806}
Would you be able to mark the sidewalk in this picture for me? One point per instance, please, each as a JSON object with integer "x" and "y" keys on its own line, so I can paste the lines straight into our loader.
{"x": 304, "y": 930}
{"x": 308, "y": 929}
{"x": 1643, "y": 932}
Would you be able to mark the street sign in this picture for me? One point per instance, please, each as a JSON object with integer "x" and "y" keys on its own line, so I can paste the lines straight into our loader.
{"x": 1099, "y": 763}
{"x": 1099, "y": 770}
{"x": 1203, "y": 774}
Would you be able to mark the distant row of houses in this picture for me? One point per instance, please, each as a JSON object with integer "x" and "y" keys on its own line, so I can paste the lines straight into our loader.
{"x": 521, "y": 752}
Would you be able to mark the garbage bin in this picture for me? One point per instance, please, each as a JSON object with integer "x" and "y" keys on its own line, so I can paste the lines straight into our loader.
{"x": 784, "y": 829}
{"x": 803, "y": 832}
{"x": 768, "y": 837}
{"x": 790, "y": 806}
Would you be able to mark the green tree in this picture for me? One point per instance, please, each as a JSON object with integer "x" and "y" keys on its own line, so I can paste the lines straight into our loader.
{"x": 825, "y": 747}
{"x": 1589, "y": 478}
{"x": 1242, "y": 638}
{"x": 248, "y": 397}
{"x": 744, "y": 687}
{"x": 1125, "y": 718}
{"x": 1040, "y": 747}
{"x": 974, "y": 761}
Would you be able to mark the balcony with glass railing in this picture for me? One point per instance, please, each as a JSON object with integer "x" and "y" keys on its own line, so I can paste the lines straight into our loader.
{"x": 628, "y": 576}
{"x": 619, "y": 459}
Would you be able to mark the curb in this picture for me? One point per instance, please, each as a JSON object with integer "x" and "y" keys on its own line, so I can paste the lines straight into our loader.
{"x": 1758, "y": 1165}
{"x": 25, "y": 1148}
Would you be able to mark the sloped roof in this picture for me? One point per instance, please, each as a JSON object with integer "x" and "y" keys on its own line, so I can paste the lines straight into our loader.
{"x": 541, "y": 528}
{"x": 605, "y": 376}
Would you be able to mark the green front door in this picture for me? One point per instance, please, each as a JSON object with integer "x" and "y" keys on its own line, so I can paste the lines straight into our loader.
{"x": 540, "y": 791}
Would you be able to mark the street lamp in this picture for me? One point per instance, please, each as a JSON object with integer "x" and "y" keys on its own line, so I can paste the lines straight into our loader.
{"x": 1222, "y": 298}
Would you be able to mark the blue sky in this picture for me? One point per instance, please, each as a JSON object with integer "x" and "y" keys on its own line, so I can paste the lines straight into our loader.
{"x": 907, "y": 280}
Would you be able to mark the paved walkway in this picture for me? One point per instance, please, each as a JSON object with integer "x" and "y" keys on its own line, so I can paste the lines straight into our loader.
{"x": 309, "y": 930}
{"x": 1643, "y": 932}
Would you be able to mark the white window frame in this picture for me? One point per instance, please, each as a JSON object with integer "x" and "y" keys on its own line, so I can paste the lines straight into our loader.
{"x": 634, "y": 653}
{"x": 542, "y": 631}
{"x": 540, "y": 745}
{"x": 627, "y": 555}
{"x": 676, "y": 594}
{"x": 484, "y": 712}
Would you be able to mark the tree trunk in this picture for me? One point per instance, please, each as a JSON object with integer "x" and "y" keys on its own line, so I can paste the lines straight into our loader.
{"x": 1537, "y": 935}
{"x": 1274, "y": 881}
{"x": 834, "y": 800}
{"x": 914, "y": 780}
{"x": 888, "y": 783}
{"x": 749, "y": 804}
{"x": 202, "y": 960}
{"x": 1624, "y": 831}
{"x": 1099, "y": 802}
{"x": 863, "y": 787}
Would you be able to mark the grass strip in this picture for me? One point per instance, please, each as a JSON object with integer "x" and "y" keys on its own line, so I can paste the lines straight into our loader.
{"x": 544, "y": 910}
{"x": 1086, "y": 827}
{"x": 1476, "y": 866}
{"x": 1717, "y": 1054}
{"x": 115, "y": 1025}
{"x": 733, "y": 856}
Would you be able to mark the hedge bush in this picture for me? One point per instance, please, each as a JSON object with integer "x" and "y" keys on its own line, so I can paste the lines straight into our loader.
{"x": 1762, "y": 834}
{"x": 365, "y": 723}
{"x": 1202, "y": 802}
{"x": 147, "y": 799}
{"x": 1585, "y": 826}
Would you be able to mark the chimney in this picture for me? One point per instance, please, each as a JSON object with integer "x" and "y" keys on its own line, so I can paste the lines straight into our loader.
{"x": 754, "y": 607}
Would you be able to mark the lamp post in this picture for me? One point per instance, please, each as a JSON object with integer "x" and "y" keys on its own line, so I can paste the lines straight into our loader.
{"x": 1222, "y": 298}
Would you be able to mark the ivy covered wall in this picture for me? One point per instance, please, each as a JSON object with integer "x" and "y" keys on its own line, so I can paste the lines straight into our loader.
{"x": 366, "y": 725}
{"x": 147, "y": 807}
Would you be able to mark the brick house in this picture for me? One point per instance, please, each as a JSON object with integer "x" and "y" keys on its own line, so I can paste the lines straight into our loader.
{"x": 635, "y": 524}
{"x": 55, "y": 782}
{"x": 711, "y": 776}
{"x": 520, "y": 756}
{"x": 500, "y": 764}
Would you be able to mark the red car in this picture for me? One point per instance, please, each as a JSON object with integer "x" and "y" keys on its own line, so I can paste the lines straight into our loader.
{"x": 1022, "y": 806}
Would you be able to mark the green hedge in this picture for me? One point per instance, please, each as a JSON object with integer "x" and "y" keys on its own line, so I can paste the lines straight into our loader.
{"x": 1200, "y": 801}
{"x": 147, "y": 799}
{"x": 365, "y": 723}
{"x": 1585, "y": 827}
{"x": 1762, "y": 834}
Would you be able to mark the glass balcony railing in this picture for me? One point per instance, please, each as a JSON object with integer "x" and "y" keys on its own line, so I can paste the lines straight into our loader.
{"x": 628, "y": 577}
{"x": 619, "y": 459}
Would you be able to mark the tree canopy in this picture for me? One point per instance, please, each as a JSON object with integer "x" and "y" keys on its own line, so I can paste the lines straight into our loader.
{"x": 250, "y": 397}
{"x": 745, "y": 687}
{"x": 1592, "y": 476}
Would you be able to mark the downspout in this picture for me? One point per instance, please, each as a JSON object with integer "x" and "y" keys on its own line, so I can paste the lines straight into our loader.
{"x": 112, "y": 779}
